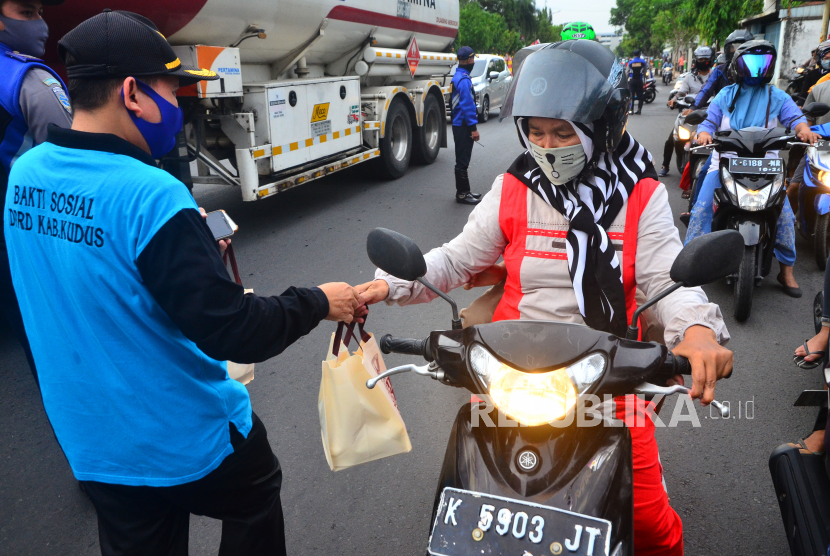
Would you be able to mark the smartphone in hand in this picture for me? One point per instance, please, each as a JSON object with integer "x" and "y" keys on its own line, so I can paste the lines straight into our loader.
{"x": 221, "y": 224}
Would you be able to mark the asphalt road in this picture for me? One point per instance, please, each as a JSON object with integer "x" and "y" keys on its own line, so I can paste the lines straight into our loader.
{"x": 717, "y": 474}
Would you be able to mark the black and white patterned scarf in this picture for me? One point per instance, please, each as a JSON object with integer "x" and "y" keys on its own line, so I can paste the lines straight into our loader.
{"x": 590, "y": 203}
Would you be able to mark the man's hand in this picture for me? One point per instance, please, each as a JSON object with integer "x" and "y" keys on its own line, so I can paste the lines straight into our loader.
{"x": 703, "y": 138}
{"x": 670, "y": 103}
{"x": 223, "y": 243}
{"x": 373, "y": 292}
{"x": 475, "y": 135}
{"x": 344, "y": 304}
{"x": 488, "y": 277}
{"x": 806, "y": 134}
{"x": 687, "y": 111}
{"x": 710, "y": 361}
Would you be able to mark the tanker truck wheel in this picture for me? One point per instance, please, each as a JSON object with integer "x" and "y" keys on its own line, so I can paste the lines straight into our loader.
{"x": 396, "y": 145}
{"x": 428, "y": 137}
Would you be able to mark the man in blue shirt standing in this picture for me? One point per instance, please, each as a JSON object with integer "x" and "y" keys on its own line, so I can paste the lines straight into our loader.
{"x": 32, "y": 96}
{"x": 464, "y": 120}
{"x": 132, "y": 316}
{"x": 636, "y": 74}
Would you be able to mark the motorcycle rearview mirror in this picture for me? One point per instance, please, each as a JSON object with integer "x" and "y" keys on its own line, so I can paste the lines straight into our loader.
{"x": 396, "y": 254}
{"x": 815, "y": 110}
{"x": 703, "y": 260}
{"x": 697, "y": 117}
{"x": 399, "y": 256}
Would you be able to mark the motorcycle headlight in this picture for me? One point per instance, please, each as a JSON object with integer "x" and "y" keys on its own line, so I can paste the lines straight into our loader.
{"x": 822, "y": 177}
{"x": 777, "y": 182}
{"x": 753, "y": 199}
{"x": 683, "y": 133}
{"x": 535, "y": 398}
{"x": 728, "y": 182}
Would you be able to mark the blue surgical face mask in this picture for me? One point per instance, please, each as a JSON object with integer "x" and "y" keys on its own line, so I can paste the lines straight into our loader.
{"x": 25, "y": 36}
{"x": 160, "y": 137}
{"x": 825, "y": 64}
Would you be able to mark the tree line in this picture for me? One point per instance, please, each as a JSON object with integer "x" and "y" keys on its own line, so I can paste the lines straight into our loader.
{"x": 504, "y": 26}
{"x": 651, "y": 25}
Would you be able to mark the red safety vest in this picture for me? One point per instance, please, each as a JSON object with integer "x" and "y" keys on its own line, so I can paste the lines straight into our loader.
{"x": 514, "y": 226}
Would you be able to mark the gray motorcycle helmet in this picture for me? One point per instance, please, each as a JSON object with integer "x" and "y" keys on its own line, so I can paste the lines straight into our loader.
{"x": 734, "y": 39}
{"x": 576, "y": 80}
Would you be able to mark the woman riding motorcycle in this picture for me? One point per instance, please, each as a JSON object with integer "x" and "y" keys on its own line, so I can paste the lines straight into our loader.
{"x": 582, "y": 223}
{"x": 751, "y": 102}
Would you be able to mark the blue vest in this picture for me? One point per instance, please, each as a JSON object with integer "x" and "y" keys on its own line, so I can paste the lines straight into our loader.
{"x": 14, "y": 131}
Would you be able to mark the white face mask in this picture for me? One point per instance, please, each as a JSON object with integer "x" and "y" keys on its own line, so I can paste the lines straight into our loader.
{"x": 561, "y": 164}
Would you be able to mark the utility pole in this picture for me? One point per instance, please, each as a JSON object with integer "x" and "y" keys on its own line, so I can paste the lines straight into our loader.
{"x": 825, "y": 18}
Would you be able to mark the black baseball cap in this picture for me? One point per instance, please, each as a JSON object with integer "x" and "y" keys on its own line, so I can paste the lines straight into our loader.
{"x": 123, "y": 44}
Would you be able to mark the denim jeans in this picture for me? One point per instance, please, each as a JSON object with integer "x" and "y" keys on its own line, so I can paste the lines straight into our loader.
{"x": 700, "y": 221}
{"x": 700, "y": 178}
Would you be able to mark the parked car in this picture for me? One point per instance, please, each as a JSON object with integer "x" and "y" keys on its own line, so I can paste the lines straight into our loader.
{"x": 491, "y": 80}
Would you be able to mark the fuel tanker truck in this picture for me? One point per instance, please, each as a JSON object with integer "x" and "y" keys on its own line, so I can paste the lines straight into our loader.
{"x": 307, "y": 87}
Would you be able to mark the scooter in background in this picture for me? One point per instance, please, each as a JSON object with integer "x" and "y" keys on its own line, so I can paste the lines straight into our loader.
{"x": 520, "y": 475}
{"x": 667, "y": 73}
{"x": 750, "y": 199}
{"x": 812, "y": 217}
{"x": 649, "y": 90}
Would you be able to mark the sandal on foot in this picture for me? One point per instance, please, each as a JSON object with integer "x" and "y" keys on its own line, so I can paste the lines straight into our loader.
{"x": 686, "y": 194}
{"x": 789, "y": 290}
{"x": 807, "y": 365}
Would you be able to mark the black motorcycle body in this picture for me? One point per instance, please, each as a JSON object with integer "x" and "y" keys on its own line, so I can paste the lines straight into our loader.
{"x": 553, "y": 485}
{"x": 649, "y": 90}
{"x": 750, "y": 200}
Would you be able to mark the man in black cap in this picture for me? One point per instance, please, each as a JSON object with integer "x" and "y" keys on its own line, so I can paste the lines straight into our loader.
{"x": 131, "y": 314}
{"x": 32, "y": 96}
{"x": 464, "y": 120}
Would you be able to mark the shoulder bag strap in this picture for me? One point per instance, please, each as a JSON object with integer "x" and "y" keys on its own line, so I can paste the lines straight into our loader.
{"x": 229, "y": 256}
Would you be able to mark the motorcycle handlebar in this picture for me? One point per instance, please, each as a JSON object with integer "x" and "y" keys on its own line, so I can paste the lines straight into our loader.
{"x": 408, "y": 346}
{"x": 677, "y": 365}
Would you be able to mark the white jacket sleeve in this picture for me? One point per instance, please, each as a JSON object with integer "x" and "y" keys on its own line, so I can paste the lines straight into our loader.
{"x": 658, "y": 244}
{"x": 477, "y": 247}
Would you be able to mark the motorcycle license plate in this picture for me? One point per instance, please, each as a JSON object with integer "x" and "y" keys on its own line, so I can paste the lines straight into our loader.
{"x": 474, "y": 523}
{"x": 756, "y": 165}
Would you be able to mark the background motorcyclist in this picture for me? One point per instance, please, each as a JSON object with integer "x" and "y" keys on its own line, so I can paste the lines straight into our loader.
{"x": 565, "y": 197}
{"x": 691, "y": 84}
{"x": 751, "y": 102}
{"x": 822, "y": 56}
{"x": 817, "y": 69}
{"x": 820, "y": 92}
{"x": 718, "y": 79}
{"x": 636, "y": 75}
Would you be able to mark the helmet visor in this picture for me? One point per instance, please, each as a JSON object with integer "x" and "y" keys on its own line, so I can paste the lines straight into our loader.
{"x": 558, "y": 83}
{"x": 754, "y": 65}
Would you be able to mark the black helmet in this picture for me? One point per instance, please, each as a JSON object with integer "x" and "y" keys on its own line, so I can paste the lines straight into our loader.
{"x": 575, "y": 80}
{"x": 821, "y": 50}
{"x": 753, "y": 63}
{"x": 721, "y": 58}
{"x": 704, "y": 57}
{"x": 733, "y": 40}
